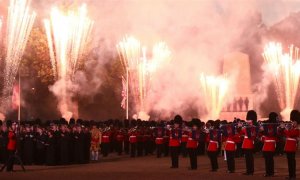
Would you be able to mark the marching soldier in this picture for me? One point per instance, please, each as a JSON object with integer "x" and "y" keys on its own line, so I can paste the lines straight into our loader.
{"x": 133, "y": 141}
{"x": 174, "y": 143}
{"x": 192, "y": 143}
{"x": 213, "y": 139}
{"x": 184, "y": 139}
{"x": 159, "y": 140}
{"x": 11, "y": 146}
{"x": 230, "y": 146}
{"x": 269, "y": 147}
{"x": 250, "y": 134}
{"x": 119, "y": 136}
{"x": 105, "y": 142}
{"x": 292, "y": 134}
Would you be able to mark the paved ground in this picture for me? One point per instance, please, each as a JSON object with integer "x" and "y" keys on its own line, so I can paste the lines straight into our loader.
{"x": 123, "y": 167}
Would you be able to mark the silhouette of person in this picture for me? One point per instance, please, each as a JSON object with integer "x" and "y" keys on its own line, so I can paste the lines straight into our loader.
{"x": 246, "y": 102}
{"x": 240, "y": 102}
{"x": 235, "y": 104}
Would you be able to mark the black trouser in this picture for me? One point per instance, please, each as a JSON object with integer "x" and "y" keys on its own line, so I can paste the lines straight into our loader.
{"x": 119, "y": 147}
{"x": 10, "y": 160}
{"x": 105, "y": 149}
{"x": 238, "y": 152}
{"x": 159, "y": 148}
{"x": 249, "y": 160}
{"x": 201, "y": 148}
{"x": 174, "y": 156}
{"x": 193, "y": 157}
{"x": 230, "y": 160}
{"x": 140, "y": 147}
{"x": 213, "y": 156}
{"x": 269, "y": 162}
{"x": 132, "y": 149}
{"x": 183, "y": 149}
{"x": 291, "y": 163}
{"x": 126, "y": 147}
{"x": 166, "y": 148}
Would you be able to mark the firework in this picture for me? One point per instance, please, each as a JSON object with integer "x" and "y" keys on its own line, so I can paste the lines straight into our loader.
{"x": 19, "y": 24}
{"x": 140, "y": 68}
{"x": 68, "y": 34}
{"x": 214, "y": 90}
{"x": 285, "y": 70}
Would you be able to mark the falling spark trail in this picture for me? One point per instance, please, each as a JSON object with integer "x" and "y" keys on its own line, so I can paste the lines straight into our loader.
{"x": 19, "y": 25}
{"x": 214, "y": 90}
{"x": 285, "y": 70}
{"x": 134, "y": 60}
{"x": 67, "y": 34}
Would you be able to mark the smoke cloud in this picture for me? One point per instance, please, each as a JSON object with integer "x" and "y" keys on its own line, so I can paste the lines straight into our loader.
{"x": 198, "y": 32}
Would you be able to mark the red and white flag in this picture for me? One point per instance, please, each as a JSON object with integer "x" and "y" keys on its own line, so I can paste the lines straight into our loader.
{"x": 124, "y": 93}
{"x": 16, "y": 97}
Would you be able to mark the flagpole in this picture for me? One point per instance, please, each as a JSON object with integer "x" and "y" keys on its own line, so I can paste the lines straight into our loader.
{"x": 19, "y": 108}
{"x": 127, "y": 84}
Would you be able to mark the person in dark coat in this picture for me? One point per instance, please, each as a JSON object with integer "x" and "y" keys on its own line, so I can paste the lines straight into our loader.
{"x": 3, "y": 143}
{"x": 79, "y": 145}
{"x": 64, "y": 145}
{"x": 40, "y": 146}
{"x": 50, "y": 149}
{"x": 28, "y": 146}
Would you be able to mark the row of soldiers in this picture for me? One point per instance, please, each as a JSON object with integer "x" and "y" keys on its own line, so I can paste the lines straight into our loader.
{"x": 64, "y": 143}
{"x": 252, "y": 134}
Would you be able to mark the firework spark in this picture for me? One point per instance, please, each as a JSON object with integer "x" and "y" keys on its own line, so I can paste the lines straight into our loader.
{"x": 140, "y": 68}
{"x": 68, "y": 35}
{"x": 214, "y": 90}
{"x": 285, "y": 69}
{"x": 19, "y": 24}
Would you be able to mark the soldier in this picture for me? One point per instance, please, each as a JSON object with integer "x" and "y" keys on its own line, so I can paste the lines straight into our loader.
{"x": 95, "y": 142}
{"x": 213, "y": 139}
{"x": 64, "y": 145}
{"x": 250, "y": 133}
{"x": 291, "y": 133}
{"x": 11, "y": 146}
{"x": 40, "y": 146}
{"x": 79, "y": 145}
{"x": 192, "y": 143}
{"x": 159, "y": 140}
{"x": 132, "y": 133}
{"x": 28, "y": 146}
{"x": 230, "y": 146}
{"x": 174, "y": 143}
{"x": 119, "y": 136}
{"x": 105, "y": 142}
{"x": 3, "y": 143}
{"x": 50, "y": 149}
{"x": 184, "y": 139}
{"x": 269, "y": 140}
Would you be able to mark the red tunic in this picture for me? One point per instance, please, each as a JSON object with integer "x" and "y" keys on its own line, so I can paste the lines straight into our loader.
{"x": 213, "y": 144}
{"x": 12, "y": 143}
{"x": 174, "y": 138}
{"x": 106, "y": 137}
{"x": 230, "y": 144}
{"x": 269, "y": 144}
{"x": 291, "y": 140}
{"x": 192, "y": 142}
{"x": 248, "y": 142}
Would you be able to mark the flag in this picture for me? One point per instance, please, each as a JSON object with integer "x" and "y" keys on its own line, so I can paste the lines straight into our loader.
{"x": 16, "y": 97}
{"x": 124, "y": 93}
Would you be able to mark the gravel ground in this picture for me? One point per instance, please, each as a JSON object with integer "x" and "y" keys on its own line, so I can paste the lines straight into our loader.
{"x": 123, "y": 167}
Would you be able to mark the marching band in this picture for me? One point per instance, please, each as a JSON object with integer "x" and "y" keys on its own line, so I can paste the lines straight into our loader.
{"x": 63, "y": 143}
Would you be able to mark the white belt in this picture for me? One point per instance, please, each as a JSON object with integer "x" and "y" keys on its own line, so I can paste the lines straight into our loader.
{"x": 232, "y": 142}
{"x": 213, "y": 141}
{"x": 105, "y": 136}
{"x": 159, "y": 138}
{"x": 291, "y": 139}
{"x": 132, "y": 136}
{"x": 184, "y": 135}
{"x": 246, "y": 137}
{"x": 270, "y": 141}
{"x": 190, "y": 139}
